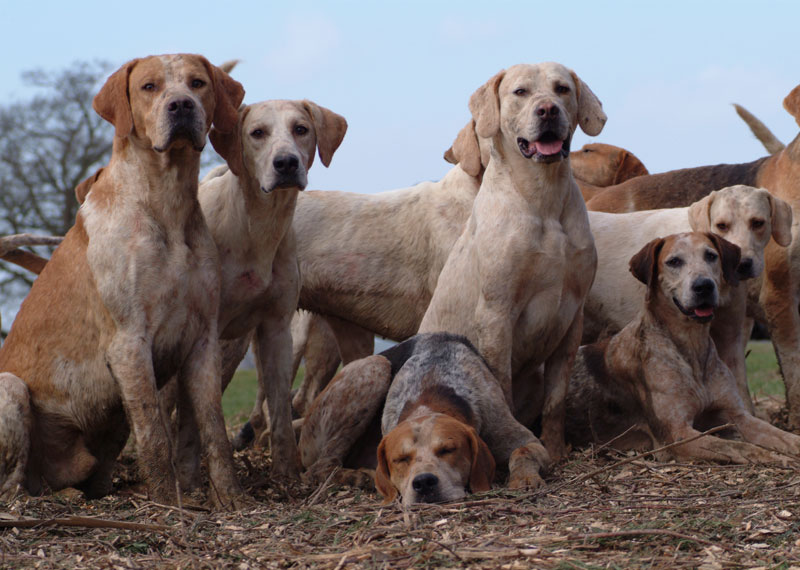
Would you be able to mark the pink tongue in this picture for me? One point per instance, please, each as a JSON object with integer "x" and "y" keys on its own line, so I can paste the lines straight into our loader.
{"x": 704, "y": 312}
{"x": 548, "y": 148}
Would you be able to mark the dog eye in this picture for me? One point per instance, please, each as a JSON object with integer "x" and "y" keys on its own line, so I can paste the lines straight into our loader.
{"x": 148, "y": 87}
{"x": 520, "y": 92}
{"x": 757, "y": 224}
{"x": 197, "y": 83}
{"x": 562, "y": 89}
{"x": 722, "y": 226}
{"x": 710, "y": 256}
{"x": 257, "y": 133}
{"x": 444, "y": 451}
{"x": 300, "y": 130}
{"x": 402, "y": 459}
{"x": 674, "y": 262}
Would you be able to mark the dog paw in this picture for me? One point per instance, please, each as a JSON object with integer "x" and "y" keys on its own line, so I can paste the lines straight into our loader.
{"x": 287, "y": 469}
{"x": 525, "y": 480}
{"x": 319, "y": 472}
{"x": 556, "y": 449}
{"x": 360, "y": 478}
{"x": 244, "y": 438}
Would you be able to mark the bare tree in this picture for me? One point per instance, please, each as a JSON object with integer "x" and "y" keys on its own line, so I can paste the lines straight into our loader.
{"x": 48, "y": 144}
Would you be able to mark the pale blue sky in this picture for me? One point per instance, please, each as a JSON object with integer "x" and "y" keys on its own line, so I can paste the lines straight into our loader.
{"x": 401, "y": 73}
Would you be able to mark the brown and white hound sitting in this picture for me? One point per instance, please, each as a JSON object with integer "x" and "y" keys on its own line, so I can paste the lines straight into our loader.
{"x": 660, "y": 380}
{"x": 445, "y": 422}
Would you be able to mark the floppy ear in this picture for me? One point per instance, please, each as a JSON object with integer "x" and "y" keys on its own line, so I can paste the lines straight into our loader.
{"x": 729, "y": 255}
{"x": 228, "y": 95}
{"x": 330, "y": 129}
{"x": 591, "y": 117}
{"x": 112, "y": 102}
{"x": 700, "y": 213}
{"x": 83, "y": 187}
{"x": 481, "y": 474}
{"x": 484, "y": 105}
{"x": 781, "y": 220}
{"x": 383, "y": 481}
{"x": 229, "y": 145}
{"x": 792, "y": 103}
{"x": 644, "y": 264}
{"x": 629, "y": 167}
{"x": 465, "y": 151}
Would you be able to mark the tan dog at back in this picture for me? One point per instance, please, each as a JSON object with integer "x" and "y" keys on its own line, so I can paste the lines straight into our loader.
{"x": 745, "y": 216}
{"x": 661, "y": 374}
{"x": 131, "y": 296}
{"x": 597, "y": 165}
{"x": 516, "y": 279}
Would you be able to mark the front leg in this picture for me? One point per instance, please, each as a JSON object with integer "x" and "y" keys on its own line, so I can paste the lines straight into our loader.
{"x": 322, "y": 361}
{"x": 200, "y": 381}
{"x": 728, "y": 331}
{"x": 131, "y": 364}
{"x": 273, "y": 352}
{"x": 779, "y": 300}
{"x": 557, "y": 369}
{"x": 495, "y": 341}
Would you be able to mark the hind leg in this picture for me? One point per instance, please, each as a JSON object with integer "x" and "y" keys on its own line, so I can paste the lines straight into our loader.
{"x": 341, "y": 413}
{"x": 106, "y": 448}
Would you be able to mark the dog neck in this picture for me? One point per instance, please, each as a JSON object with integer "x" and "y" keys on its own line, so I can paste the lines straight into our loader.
{"x": 692, "y": 339}
{"x": 438, "y": 399}
{"x": 165, "y": 182}
{"x": 245, "y": 219}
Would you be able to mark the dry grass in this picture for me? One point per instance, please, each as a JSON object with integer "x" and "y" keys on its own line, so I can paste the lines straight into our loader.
{"x": 638, "y": 514}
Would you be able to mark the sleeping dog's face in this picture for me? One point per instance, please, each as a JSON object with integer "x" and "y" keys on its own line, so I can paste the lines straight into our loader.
{"x": 431, "y": 459}
{"x": 687, "y": 270}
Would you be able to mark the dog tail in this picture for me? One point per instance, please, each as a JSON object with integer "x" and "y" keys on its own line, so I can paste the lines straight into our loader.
{"x": 228, "y": 66}
{"x": 760, "y": 130}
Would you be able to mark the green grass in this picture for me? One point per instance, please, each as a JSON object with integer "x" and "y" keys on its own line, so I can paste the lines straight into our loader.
{"x": 762, "y": 373}
{"x": 237, "y": 401}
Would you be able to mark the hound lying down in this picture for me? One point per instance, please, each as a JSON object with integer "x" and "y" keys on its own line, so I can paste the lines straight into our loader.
{"x": 445, "y": 423}
{"x": 660, "y": 380}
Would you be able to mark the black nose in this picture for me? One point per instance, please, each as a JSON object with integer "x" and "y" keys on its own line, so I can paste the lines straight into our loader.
{"x": 425, "y": 483}
{"x": 745, "y": 267}
{"x": 703, "y": 286}
{"x": 546, "y": 110}
{"x": 286, "y": 164}
{"x": 179, "y": 107}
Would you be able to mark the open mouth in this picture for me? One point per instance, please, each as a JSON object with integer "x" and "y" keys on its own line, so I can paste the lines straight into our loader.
{"x": 701, "y": 313}
{"x": 547, "y": 147}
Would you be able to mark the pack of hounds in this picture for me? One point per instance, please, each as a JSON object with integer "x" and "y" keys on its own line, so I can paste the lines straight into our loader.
{"x": 543, "y": 298}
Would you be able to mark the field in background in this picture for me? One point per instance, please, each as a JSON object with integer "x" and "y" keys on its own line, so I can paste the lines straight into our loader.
{"x": 762, "y": 372}
{"x": 763, "y": 375}
{"x": 237, "y": 401}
